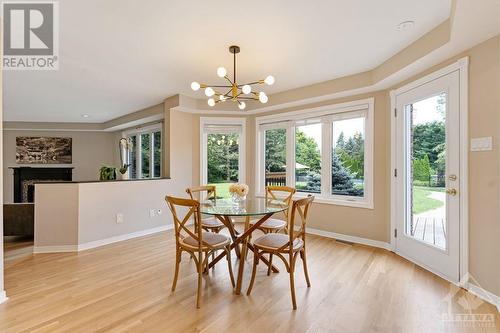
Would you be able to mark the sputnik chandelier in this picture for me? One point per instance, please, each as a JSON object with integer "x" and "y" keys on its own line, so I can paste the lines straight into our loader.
{"x": 238, "y": 93}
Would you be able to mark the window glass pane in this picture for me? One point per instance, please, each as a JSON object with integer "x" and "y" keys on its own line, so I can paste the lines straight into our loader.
{"x": 145, "y": 155}
{"x": 157, "y": 154}
{"x": 222, "y": 161}
{"x": 426, "y": 206}
{"x": 308, "y": 158}
{"x": 348, "y": 157}
{"x": 132, "y": 157}
{"x": 275, "y": 157}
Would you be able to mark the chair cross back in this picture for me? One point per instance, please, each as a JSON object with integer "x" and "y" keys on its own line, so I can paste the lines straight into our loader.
{"x": 209, "y": 189}
{"x": 271, "y": 192}
{"x": 301, "y": 208}
{"x": 181, "y": 225}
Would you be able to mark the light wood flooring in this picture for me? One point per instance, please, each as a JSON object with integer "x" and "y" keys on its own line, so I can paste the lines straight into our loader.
{"x": 126, "y": 287}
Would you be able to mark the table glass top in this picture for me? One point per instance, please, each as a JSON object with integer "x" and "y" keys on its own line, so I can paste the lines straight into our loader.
{"x": 248, "y": 207}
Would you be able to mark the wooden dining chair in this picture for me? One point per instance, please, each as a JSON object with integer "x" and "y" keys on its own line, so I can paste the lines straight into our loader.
{"x": 293, "y": 244}
{"x": 193, "y": 240}
{"x": 273, "y": 193}
{"x": 273, "y": 225}
{"x": 208, "y": 223}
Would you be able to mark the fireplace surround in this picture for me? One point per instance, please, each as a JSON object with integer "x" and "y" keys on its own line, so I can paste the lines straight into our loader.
{"x": 26, "y": 177}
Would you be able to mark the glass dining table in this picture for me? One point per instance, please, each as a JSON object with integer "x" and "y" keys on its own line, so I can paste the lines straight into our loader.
{"x": 226, "y": 209}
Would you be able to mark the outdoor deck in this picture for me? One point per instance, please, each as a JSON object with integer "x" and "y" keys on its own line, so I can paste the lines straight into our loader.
{"x": 430, "y": 230}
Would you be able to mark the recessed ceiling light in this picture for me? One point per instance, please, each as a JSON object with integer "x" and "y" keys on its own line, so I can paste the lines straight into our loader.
{"x": 85, "y": 116}
{"x": 406, "y": 25}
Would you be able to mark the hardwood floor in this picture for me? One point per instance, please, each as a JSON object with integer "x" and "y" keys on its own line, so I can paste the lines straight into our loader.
{"x": 126, "y": 287}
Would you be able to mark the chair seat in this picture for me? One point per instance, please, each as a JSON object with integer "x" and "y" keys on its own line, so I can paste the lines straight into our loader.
{"x": 211, "y": 222}
{"x": 275, "y": 241}
{"x": 213, "y": 239}
{"x": 275, "y": 224}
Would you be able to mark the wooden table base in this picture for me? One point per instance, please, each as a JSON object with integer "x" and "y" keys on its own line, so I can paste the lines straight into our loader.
{"x": 242, "y": 238}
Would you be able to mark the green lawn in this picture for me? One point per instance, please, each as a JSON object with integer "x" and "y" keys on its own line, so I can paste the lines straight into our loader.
{"x": 222, "y": 189}
{"x": 421, "y": 201}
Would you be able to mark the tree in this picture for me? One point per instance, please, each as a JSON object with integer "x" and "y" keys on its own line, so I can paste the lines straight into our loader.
{"x": 222, "y": 157}
{"x": 352, "y": 154}
{"x": 340, "y": 141}
{"x": 307, "y": 151}
{"x": 426, "y": 137}
{"x": 422, "y": 169}
{"x": 275, "y": 150}
{"x": 342, "y": 180}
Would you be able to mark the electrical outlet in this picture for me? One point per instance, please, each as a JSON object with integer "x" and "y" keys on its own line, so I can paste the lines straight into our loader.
{"x": 119, "y": 218}
{"x": 152, "y": 213}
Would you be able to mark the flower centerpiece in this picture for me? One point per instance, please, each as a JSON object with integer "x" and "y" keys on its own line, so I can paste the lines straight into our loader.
{"x": 238, "y": 192}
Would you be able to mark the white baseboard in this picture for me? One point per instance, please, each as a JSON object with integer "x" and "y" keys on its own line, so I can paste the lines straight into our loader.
{"x": 352, "y": 239}
{"x": 55, "y": 249}
{"x": 100, "y": 242}
{"x": 3, "y": 296}
{"x": 484, "y": 295}
{"x": 120, "y": 238}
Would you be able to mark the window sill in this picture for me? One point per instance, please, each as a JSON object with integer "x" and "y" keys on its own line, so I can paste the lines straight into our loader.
{"x": 330, "y": 201}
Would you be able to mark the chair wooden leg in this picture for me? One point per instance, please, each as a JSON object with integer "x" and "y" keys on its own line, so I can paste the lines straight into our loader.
{"x": 249, "y": 241}
{"x": 200, "y": 272}
{"x": 177, "y": 264}
{"x": 304, "y": 263}
{"x": 270, "y": 264}
{"x": 254, "y": 271}
{"x": 292, "y": 282}
{"x": 230, "y": 266}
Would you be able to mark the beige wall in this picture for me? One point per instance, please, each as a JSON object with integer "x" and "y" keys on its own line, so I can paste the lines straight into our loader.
{"x": 59, "y": 229}
{"x": 87, "y": 212}
{"x": 91, "y": 150}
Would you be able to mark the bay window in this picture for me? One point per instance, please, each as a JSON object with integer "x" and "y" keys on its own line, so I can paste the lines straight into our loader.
{"x": 326, "y": 151}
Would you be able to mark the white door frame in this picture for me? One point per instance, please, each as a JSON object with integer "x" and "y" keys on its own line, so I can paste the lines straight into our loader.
{"x": 462, "y": 66}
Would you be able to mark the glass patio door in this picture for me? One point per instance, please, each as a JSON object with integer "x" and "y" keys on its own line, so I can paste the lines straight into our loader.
{"x": 427, "y": 160}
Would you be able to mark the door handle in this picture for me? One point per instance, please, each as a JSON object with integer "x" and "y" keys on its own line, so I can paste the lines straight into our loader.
{"x": 451, "y": 191}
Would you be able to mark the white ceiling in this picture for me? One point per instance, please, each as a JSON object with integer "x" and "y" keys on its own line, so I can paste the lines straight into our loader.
{"x": 118, "y": 56}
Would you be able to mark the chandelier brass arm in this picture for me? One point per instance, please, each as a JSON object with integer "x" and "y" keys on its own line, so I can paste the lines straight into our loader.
{"x": 238, "y": 93}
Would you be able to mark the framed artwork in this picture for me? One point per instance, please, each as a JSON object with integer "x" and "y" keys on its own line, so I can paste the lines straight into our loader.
{"x": 43, "y": 150}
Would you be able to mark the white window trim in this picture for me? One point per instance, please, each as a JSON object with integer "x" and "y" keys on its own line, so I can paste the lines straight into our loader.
{"x": 327, "y": 114}
{"x": 223, "y": 121}
{"x": 150, "y": 129}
